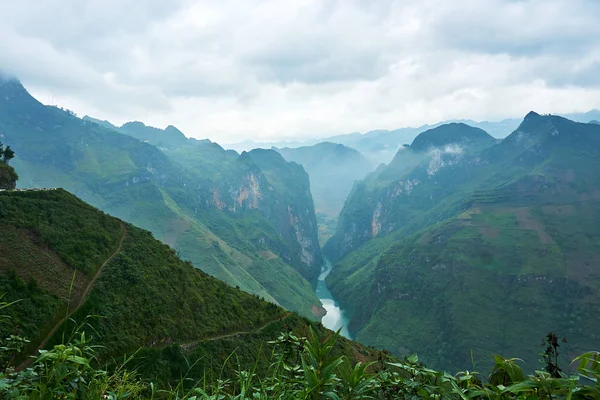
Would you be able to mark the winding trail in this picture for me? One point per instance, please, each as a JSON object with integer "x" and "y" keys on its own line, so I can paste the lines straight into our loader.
{"x": 191, "y": 345}
{"x": 81, "y": 301}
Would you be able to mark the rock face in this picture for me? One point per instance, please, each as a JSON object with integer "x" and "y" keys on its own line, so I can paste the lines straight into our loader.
{"x": 262, "y": 181}
{"x": 288, "y": 204}
{"x": 221, "y": 210}
{"x": 470, "y": 245}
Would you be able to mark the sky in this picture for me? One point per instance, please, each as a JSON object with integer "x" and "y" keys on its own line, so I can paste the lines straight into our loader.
{"x": 274, "y": 70}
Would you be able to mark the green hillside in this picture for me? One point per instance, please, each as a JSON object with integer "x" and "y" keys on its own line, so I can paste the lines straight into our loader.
{"x": 144, "y": 295}
{"x": 145, "y": 290}
{"x": 475, "y": 252}
{"x": 157, "y": 328}
{"x": 213, "y": 207}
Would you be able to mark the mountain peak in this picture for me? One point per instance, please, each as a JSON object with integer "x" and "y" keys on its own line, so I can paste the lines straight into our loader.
{"x": 103, "y": 123}
{"x": 133, "y": 124}
{"x": 10, "y": 84}
{"x": 531, "y": 115}
{"x": 5, "y": 78}
{"x": 15, "y": 98}
{"x": 455, "y": 132}
{"x": 171, "y": 130}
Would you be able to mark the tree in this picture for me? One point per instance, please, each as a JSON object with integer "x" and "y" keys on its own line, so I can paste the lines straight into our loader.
{"x": 8, "y": 176}
{"x": 7, "y": 155}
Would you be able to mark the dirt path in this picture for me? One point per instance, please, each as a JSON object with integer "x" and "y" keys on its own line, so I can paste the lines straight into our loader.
{"x": 81, "y": 301}
{"x": 189, "y": 346}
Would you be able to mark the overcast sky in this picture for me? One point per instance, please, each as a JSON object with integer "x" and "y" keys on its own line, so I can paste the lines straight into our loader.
{"x": 270, "y": 70}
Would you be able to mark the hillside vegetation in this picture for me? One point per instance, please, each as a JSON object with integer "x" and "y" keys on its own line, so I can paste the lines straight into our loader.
{"x": 299, "y": 368}
{"x": 144, "y": 293}
{"x": 471, "y": 248}
{"x": 62, "y": 257}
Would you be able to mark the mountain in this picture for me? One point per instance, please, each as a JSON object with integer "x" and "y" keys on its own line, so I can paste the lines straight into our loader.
{"x": 584, "y": 117}
{"x": 62, "y": 257}
{"x": 381, "y": 145}
{"x": 165, "y": 138}
{"x": 464, "y": 251}
{"x": 333, "y": 169}
{"x": 104, "y": 123}
{"x": 458, "y": 134}
{"x": 216, "y": 208}
{"x": 383, "y": 202}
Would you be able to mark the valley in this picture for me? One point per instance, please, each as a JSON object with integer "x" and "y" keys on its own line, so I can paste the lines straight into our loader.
{"x": 337, "y": 316}
{"x": 300, "y": 200}
{"x": 463, "y": 246}
{"x": 246, "y": 219}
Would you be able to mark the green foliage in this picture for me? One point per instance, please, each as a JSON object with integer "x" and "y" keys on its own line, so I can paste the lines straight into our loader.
{"x": 6, "y": 154}
{"x": 66, "y": 372}
{"x": 149, "y": 301}
{"x": 299, "y": 368}
{"x": 144, "y": 292}
{"x": 8, "y": 177}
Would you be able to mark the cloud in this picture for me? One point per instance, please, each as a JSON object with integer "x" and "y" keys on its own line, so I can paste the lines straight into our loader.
{"x": 267, "y": 70}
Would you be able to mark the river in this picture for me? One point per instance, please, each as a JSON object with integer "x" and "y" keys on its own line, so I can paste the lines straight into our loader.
{"x": 335, "y": 318}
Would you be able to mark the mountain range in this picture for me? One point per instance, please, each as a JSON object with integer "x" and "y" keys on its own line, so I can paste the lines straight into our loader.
{"x": 465, "y": 245}
{"x": 454, "y": 241}
{"x": 246, "y": 219}
{"x": 381, "y": 145}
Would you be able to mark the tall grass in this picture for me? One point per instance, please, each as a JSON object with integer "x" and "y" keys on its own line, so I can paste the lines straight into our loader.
{"x": 301, "y": 368}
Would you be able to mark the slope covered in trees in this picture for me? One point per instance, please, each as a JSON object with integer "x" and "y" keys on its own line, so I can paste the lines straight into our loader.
{"x": 248, "y": 220}
{"x": 465, "y": 250}
{"x": 61, "y": 257}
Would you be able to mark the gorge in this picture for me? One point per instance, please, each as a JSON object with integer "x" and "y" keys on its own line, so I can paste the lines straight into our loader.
{"x": 337, "y": 316}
